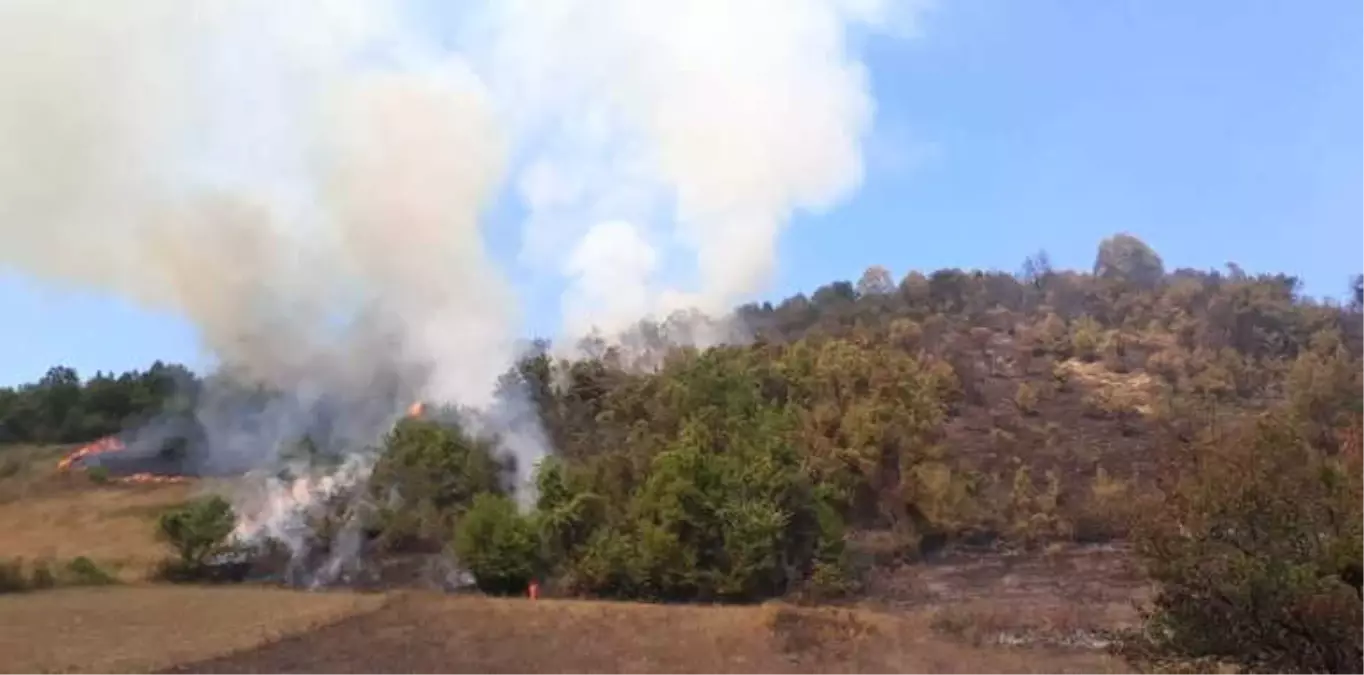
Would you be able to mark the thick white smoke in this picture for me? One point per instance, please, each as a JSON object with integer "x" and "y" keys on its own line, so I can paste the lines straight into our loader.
{"x": 695, "y": 128}
{"x": 306, "y": 182}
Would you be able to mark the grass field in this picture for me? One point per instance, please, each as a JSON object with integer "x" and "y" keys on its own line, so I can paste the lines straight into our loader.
{"x": 149, "y": 628}
{"x": 266, "y": 630}
{"x": 46, "y": 515}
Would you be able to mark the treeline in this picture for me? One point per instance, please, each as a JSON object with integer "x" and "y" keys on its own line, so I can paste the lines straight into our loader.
{"x": 63, "y": 408}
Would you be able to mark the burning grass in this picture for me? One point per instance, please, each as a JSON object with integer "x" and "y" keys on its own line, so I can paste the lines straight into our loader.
{"x": 141, "y": 629}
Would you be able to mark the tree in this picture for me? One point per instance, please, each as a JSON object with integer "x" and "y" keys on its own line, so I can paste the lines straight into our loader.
{"x": 1256, "y": 550}
{"x": 497, "y": 545}
{"x": 1036, "y": 269}
{"x": 427, "y": 475}
{"x": 876, "y": 280}
{"x": 1126, "y": 258}
{"x": 197, "y": 531}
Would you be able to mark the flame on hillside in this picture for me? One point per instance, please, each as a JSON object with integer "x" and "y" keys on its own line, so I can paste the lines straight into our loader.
{"x": 151, "y": 479}
{"x": 113, "y": 444}
{"x": 103, "y": 445}
{"x": 416, "y": 410}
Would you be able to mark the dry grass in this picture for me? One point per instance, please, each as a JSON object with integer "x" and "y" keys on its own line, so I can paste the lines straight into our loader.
{"x": 140, "y": 629}
{"x": 432, "y": 633}
{"x": 1128, "y": 390}
{"x": 113, "y": 525}
{"x": 49, "y": 515}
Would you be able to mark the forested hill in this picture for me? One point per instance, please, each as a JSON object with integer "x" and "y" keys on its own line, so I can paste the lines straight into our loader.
{"x": 1003, "y": 344}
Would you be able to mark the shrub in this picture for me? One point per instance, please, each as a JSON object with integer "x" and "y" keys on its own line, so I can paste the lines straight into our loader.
{"x": 1256, "y": 551}
{"x": 197, "y": 531}
{"x": 12, "y": 576}
{"x": 99, "y": 475}
{"x": 1085, "y": 337}
{"x": 10, "y": 466}
{"x": 1106, "y": 509}
{"x": 42, "y": 577}
{"x": 84, "y": 572}
{"x": 1025, "y": 398}
{"x": 497, "y": 545}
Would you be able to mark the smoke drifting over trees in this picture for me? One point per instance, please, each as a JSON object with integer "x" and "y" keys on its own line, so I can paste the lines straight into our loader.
{"x": 306, "y": 183}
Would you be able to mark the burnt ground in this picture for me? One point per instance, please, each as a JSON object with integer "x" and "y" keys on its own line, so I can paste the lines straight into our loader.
{"x": 1037, "y": 613}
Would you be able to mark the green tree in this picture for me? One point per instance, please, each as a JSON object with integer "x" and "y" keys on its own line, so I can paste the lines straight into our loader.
{"x": 497, "y": 545}
{"x": 427, "y": 475}
{"x": 197, "y": 531}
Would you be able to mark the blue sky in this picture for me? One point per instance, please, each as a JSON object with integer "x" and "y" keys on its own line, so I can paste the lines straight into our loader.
{"x": 1215, "y": 130}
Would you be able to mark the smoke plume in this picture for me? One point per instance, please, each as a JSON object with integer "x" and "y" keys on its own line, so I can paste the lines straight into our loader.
{"x": 306, "y": 182}
{"x": 675, "y": 135}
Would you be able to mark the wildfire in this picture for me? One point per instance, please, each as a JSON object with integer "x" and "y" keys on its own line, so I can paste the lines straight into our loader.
{"x": 152, "y": 479}
{"x": 416, "y": 410}
{"x": 112, "y": 444}
{"x": 103, "y": 445}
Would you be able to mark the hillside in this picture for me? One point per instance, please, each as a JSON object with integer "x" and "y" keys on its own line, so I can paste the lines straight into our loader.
{"x": 872, "y": 442}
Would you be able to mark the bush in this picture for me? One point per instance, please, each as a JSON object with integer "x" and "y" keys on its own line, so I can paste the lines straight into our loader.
{"x": 42, "y": 577}
{"x": 197, "y": 531}
{"x": 1025, "y": 398}
{"x": 1085, "y": 338}
{"x": 12, "y": 576}
{"x": 99, "y": 475}
{"x": 1257, "y": 551}
{"x": 497, "y": 545}
{"x": 84, "y": 572}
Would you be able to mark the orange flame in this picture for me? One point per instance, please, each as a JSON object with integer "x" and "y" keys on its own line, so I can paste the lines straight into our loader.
{"x": 151, "y": 479}
{"x": 103, "y": 445}
{"x": 111, "y": 444}
{"x": 416, "y": 409}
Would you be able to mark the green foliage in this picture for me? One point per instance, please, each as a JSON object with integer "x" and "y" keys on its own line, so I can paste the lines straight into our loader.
{"x": 497, "y": 545}
{"x": 61, "y": 408}
{"x": 84, "y": 572}
{"x": 197, "y": 531}
{"x": 429, "y": 474}
{"x": 715, "y": 503}
{"x": 80, "y": 571}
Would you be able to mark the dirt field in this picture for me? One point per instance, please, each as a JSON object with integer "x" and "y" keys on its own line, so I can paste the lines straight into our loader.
{"x": 428, "y": 633}
{"x": 141, "y": 629}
